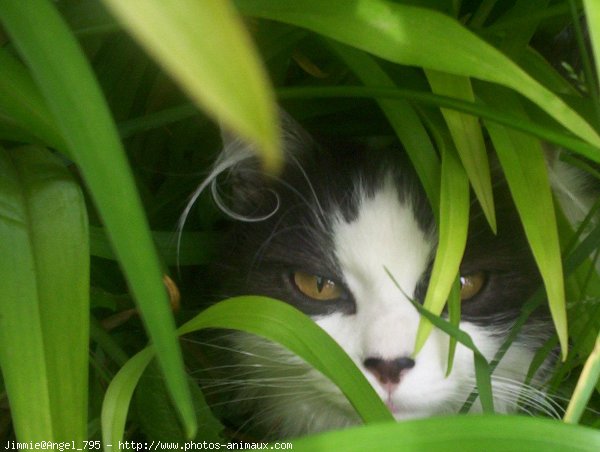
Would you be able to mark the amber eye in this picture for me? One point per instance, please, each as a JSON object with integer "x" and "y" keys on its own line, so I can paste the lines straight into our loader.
{"x": 317, "y": 287}
{"x": 471, "y": 285}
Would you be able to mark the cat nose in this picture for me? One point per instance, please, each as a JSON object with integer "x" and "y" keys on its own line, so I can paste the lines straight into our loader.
{"x": 388, "y": 371}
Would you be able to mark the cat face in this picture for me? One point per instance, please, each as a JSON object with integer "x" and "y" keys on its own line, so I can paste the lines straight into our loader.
{"x": 326, "y": 231}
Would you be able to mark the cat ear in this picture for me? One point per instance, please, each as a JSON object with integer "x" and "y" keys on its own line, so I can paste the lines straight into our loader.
{"x": 251, "y": 194}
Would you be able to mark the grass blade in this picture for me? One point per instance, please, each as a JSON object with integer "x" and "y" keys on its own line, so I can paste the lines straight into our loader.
{"x": 118, "y": 396}
{"x": 81, "y": 114}
{"x": 468, "y": 138}
{"x": 452, "y": 238}
{"x": 522, "y": 160}
{"x": 483, "y": 371}
{"x": 205, "y": 48}
{"x": 586, "y": 384}
{"x": 45, "y": 298}
{"x": 592, "y": 15}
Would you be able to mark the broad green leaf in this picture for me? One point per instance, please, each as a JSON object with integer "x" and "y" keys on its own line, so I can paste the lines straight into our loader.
{"x": 468, "y": 138}
{"x": 452, "y": 238}
{"x": 272, "y": 320}
{"x": 522, "y": 160}
{"x": 205, "y": 47}
{"x": 80, "y": 112}
{"x": 460, "y": 434}
{"x": 418, "y": 37}
{"x": 45, "y": 296}
{"x": 402, "y": 117}
{"x": 284, "y": 324}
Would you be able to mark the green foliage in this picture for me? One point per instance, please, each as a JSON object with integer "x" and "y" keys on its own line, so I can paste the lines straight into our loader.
{"x": 108, "y": 121}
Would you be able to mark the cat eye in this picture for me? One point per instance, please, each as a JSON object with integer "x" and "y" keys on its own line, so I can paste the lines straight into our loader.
{"x": 471, "y": 285}
{"x": 317, "y": 287}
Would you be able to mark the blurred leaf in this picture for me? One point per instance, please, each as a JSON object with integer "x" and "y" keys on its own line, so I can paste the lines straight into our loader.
{"x": 81, "y": 114}
{"x": 205, "y": 47}
{"x": 44, "y": 326}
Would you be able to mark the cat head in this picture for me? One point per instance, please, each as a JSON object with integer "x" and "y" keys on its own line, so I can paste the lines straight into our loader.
{"x": 320, "y": 237}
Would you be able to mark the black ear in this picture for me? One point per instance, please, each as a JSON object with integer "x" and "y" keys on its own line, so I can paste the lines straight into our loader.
{"x": 240, "y": 187}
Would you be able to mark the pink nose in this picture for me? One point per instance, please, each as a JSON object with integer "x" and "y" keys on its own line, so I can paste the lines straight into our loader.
{"x": 388, "y": 370}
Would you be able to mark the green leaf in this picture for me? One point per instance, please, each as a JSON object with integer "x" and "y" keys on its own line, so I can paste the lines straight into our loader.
{"x": 522, "y": 160}
{"x": 157, "y": 418}
{"x": 273, "y": 320}
{"x": 452, "y": 233}
{"x": 80, "y": 112}
{"x": 468, "y": 138}
{"x": 586, "y": 384}
{"x": 118, "y": 396}
{"x": 483, "y": 371}
{"x": 460, "y": 434}
{"x": 426, "y": 98}
{"x": 454, "y": 305}
{"x": 415, "y": 36}
{"x": 44, "y": 326}
{"x": 280, "y": 322}
{"x": 592, "y": 15}
{"x": 205, "y": 47}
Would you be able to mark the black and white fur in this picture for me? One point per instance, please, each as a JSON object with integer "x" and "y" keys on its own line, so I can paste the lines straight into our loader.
{"x": 347, "y": 212}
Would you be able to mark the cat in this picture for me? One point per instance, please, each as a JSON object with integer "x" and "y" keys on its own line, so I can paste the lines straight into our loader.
{"x": 320, "y": 237}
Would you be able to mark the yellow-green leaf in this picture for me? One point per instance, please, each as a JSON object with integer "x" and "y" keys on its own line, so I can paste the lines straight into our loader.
{"x": 468, "y": 138}
{"x": 522, "y": 160}
{"x": 205, "y": 47}
{"x": 452, "y": 233}
{"x": 44, "y": 325}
